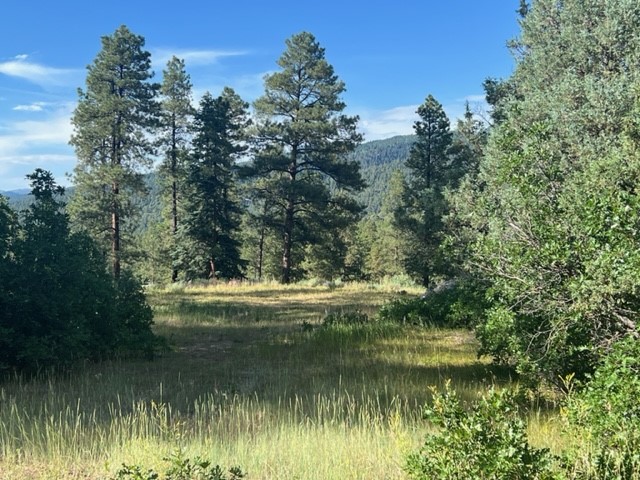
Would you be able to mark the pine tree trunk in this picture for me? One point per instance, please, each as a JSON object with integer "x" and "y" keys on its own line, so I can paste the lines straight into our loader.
{"x": 288, "y": 220}
{"x": 174, "y": 194}
{"x": 261, "y": 251}
{"x": 288, "y": 241}
{"x": 115, "y": 232}
{"x": 212, "y": 266}
{"x": 174, "y": 213}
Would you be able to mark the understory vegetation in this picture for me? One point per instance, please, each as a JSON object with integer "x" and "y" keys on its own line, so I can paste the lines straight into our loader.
{"x": 302, "y": 381}
{"x": 255, "y": 377}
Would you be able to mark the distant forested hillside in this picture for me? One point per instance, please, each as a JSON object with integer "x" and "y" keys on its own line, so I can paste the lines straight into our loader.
{"x": 378, "y": 160}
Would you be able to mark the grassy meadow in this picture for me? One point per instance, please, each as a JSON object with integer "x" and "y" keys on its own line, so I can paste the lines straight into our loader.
{"x": 251, "y": 379}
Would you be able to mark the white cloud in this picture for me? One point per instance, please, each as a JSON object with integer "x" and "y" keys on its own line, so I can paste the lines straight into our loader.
{"x": 477, "y": 103}
{"x": 25, "y": 145}
{"x": 192, "y": 58}
{"x": 33, "y": 107}
{"x": 36, "y": 73}
{"x": 478, "y": 98}
{"x": 379, "y": 124}
{"x": 21, "y": 138}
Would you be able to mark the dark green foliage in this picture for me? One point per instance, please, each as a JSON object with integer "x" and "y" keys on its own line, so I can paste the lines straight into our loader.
{"x": 180, "y": 468}
{"x": 328, "y": 238}
{"x": 301, "y": 144}
{"x": 486, "y": 442}
{"x": 553, "y": 216}
{"x": 58, "y": 303}
{"x": 112, "y": 123}
{"x": 176, "y": 115}
{"x": 420, "y": 216}
{"x": 461, "y": 304}
{"x": 379, "y": 160}
{"x": 209, "y": 245}
{"x": 607, "y": 415}
{"x": 498, "y": 93}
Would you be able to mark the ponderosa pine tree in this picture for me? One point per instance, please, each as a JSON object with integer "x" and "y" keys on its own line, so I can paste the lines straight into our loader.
{"x": 555, "y": 213}
{"x": 112, "y": 124}
{"x": 423, "y": 207}
{"x": 302, "y": 140}
{"x": 213, "y": 219}
{"x": 176, "y": 116}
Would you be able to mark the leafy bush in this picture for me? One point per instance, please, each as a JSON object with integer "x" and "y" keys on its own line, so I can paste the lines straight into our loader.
{"x": 487, "y": 442}
{"x": 180, "y": 468}
{"x": 58, "y": 304}
{"x": 607, "y": 414}
{"x": 462, "y": 304}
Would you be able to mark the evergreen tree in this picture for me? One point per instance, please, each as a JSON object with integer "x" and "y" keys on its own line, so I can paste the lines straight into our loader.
{"x": 467, "y": 151}
{"x": 112, "y": 123}
{"x": 58, "y": 303}
{"x": 467, "y": 147}
{"x": 555, "y": 211}
{"x": 213, "y": 217}
{"x": 424, "y": 205}
{"x": 176, "y": 116}
{"x": 302, "y": 140}
{"x": 325, "y": 256}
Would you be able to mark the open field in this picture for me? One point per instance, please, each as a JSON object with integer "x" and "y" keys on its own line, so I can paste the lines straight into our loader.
{"x": 251, "y": 380}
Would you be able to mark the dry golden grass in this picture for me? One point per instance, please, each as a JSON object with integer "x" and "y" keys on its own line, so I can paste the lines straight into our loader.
{"x": 251, "y": 380}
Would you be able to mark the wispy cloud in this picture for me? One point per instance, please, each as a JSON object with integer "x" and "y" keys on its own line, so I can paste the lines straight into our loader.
{"x": 379, "y": 124}
{"x": 33, "y": 107}
{"x": 21, "y": 140}
{"x": 192, "y": 57}
{"x": 25, "y": 145}
{"x": 477, "y": 98}
{"x": 20, "y": 67}
{"x": 477, "y": 103}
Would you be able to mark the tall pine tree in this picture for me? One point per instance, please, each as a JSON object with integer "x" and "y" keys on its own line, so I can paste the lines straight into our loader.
{"x": 213, "y": 218}
{"x": 421, "y": 214}
{"x": 176, "y": 116}
{"x": 112, "y": 123}
{"x": 302, "y": 139}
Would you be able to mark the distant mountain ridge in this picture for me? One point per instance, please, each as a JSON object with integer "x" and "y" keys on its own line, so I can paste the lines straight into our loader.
{"x": 378, "y": 160}
{"x": 15, "y": 193}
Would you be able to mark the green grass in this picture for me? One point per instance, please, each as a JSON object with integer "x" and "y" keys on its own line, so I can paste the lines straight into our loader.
{"x": 252, "y": 379}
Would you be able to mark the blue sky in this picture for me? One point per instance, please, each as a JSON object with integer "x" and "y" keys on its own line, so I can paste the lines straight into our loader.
{"x": 391, "y": 55}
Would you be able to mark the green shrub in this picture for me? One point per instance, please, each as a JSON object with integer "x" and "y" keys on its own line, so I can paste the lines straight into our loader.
{"x": 460, "y": 305}
{"x": 58, "y": 303}
{"x": 489, "y": 441}
{"x": 180, "y": 468}
{"x": 606, "y": 413}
